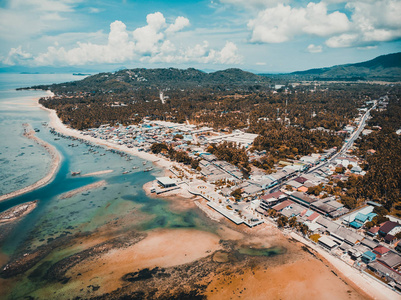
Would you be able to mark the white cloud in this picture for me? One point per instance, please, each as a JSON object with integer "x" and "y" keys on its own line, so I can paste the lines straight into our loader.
{"x": 253, "y": 4}
{"x": 148, "y": 36}
{"x": 314, "y": 49}
{"x": 179, "y": 24}
{"x": 372, "y": 22}
{"x": 23, "y": 19}
{"x": 17, "y": 56}
{"x": 149, "y": 43}
{"x": 282, "y": 23}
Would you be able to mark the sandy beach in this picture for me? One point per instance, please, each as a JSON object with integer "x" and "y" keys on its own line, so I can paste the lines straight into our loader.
{"x": 55, "y": 164}
{"x": 58, "y": 125}
{"x": 373, "y": 288}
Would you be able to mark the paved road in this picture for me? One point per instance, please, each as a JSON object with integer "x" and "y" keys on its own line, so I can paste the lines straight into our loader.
{"x": 350, "y": 141}
{"x": 343, "y": 150}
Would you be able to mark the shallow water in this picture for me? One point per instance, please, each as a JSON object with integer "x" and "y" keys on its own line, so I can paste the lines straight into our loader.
{"x": 86, "y": 211}
{"x": 23, "y": 162}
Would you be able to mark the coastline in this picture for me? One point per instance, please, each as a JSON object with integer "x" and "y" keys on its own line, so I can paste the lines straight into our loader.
{"x": 375, "y": 289}
{"x": 54, "y": 166}
{"x": 58, "y": 126}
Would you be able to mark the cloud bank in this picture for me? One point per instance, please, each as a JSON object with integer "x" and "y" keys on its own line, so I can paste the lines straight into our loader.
{"x": 150, "y": 43}
{"x": 370, "y": 22}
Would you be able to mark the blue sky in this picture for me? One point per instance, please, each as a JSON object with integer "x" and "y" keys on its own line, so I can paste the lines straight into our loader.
{"x": 257, "y": 35}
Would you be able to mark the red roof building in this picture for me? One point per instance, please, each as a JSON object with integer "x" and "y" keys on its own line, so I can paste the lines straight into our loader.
{"x": 279, "y": 207}
{"x": 380, "y": 250}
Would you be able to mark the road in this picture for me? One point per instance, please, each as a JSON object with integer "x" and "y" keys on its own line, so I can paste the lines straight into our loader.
{"x": 343, "y": 150}
{"x": 349, "y": 143}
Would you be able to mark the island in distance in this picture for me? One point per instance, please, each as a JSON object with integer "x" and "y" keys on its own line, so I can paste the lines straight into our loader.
{"x": 181, "y": 184}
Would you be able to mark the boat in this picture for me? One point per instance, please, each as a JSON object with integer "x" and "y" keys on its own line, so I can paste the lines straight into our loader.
{"x": 125, "y": 172}
{"x": 56, "y": 139}
{"x": 144, "y": 163}
{"x": 75, "y": 173}
{"x": 37, "y": 129}
{"x": 135, "y": 167}
{"x": 148, "y": 169}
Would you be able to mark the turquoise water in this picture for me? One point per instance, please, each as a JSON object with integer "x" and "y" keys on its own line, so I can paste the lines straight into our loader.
{"x": 85, "y": 211}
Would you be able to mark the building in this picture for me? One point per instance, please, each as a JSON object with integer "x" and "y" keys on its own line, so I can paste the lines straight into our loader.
{"x": 302, "y": 198}
{"x": 368, "y": 257}
{"x": 386, "y": 228}
{"x": 269, "y": 200}
{"x": 327, "y": 242}
{"x": 166, "y": 182}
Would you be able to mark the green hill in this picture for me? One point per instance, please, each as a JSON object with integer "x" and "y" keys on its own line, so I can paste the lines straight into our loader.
{"x": 385, "y": 67}
{"x": 171, "y": 78}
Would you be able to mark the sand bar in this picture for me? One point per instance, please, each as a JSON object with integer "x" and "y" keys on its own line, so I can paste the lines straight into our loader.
{"x": 55, "y": 164}
{"x": 98, "y": 173}
{"x": 83, "y": 189}
{"x": 17, "y": 212}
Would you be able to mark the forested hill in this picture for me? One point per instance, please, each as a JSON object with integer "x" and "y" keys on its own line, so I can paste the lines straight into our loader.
{"x": 385, "y": 67}
{"x": 134, "y": 79}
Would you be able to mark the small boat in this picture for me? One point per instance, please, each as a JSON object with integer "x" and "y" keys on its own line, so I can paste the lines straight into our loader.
{"x": 148, "y": 169}
{"x": 144, "y": 163}
{"x": 37, "y": 129}
{"x": 56, "y": 139}
{"x": 134, "y": 167}
{"x": 125, "y": 172}
{"x": 75, "y": 173}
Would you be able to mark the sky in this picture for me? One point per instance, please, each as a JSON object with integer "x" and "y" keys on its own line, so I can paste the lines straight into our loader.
{"x": 265, "y": 36}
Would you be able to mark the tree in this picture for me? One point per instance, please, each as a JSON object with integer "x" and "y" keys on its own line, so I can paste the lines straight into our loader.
{"x": 158, "y": 147}
{"x": 292, "y": 222}
{"x": 237, "y": 194}
{"x": 282, "y": 221}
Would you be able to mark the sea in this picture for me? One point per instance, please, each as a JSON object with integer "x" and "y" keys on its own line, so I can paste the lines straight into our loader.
{"x": 23, "y": 162}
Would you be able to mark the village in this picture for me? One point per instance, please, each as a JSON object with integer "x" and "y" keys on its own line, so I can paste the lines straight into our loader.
{"x": 294, "y": 197}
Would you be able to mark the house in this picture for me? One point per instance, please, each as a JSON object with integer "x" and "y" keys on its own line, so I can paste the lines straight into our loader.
{"x": 327, "y": 242}
{"x": 373, "y": 231}
{"x": 292, "y": 211}
{"x": 387, "y": 227}
{"x": 390, "y": 259}
{"x": 384, "y": 271}
{"x": 380, "y": 250}
{"x": 369, "y": 243}
{"x": 302, "y": 198}
{"x": 301, "y": 179}
{"x": 279, "y": 207}
{"x": 368, "y": 257}
{"x": 391, "y": 236}
{"x": 302, "y": 189}
{"x": 271, "y": 199}
{"x": 361, "y": 218}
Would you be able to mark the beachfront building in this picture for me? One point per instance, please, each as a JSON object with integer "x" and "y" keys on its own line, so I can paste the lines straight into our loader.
{"x": 166, "y": 182}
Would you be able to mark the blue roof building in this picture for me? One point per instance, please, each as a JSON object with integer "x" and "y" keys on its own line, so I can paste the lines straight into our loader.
{"x": 368, "y": 257}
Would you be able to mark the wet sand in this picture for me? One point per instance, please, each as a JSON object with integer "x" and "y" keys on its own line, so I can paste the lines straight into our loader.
{"x": 55, "y": 164}
{"x": 83, "y": 189}
{"x": 174, "y": 250}
{"x": 98, "y": 173}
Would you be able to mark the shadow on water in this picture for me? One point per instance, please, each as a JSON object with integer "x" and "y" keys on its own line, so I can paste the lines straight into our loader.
{"x": 163, "y": 216}
{"x": 261, "y": 251}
